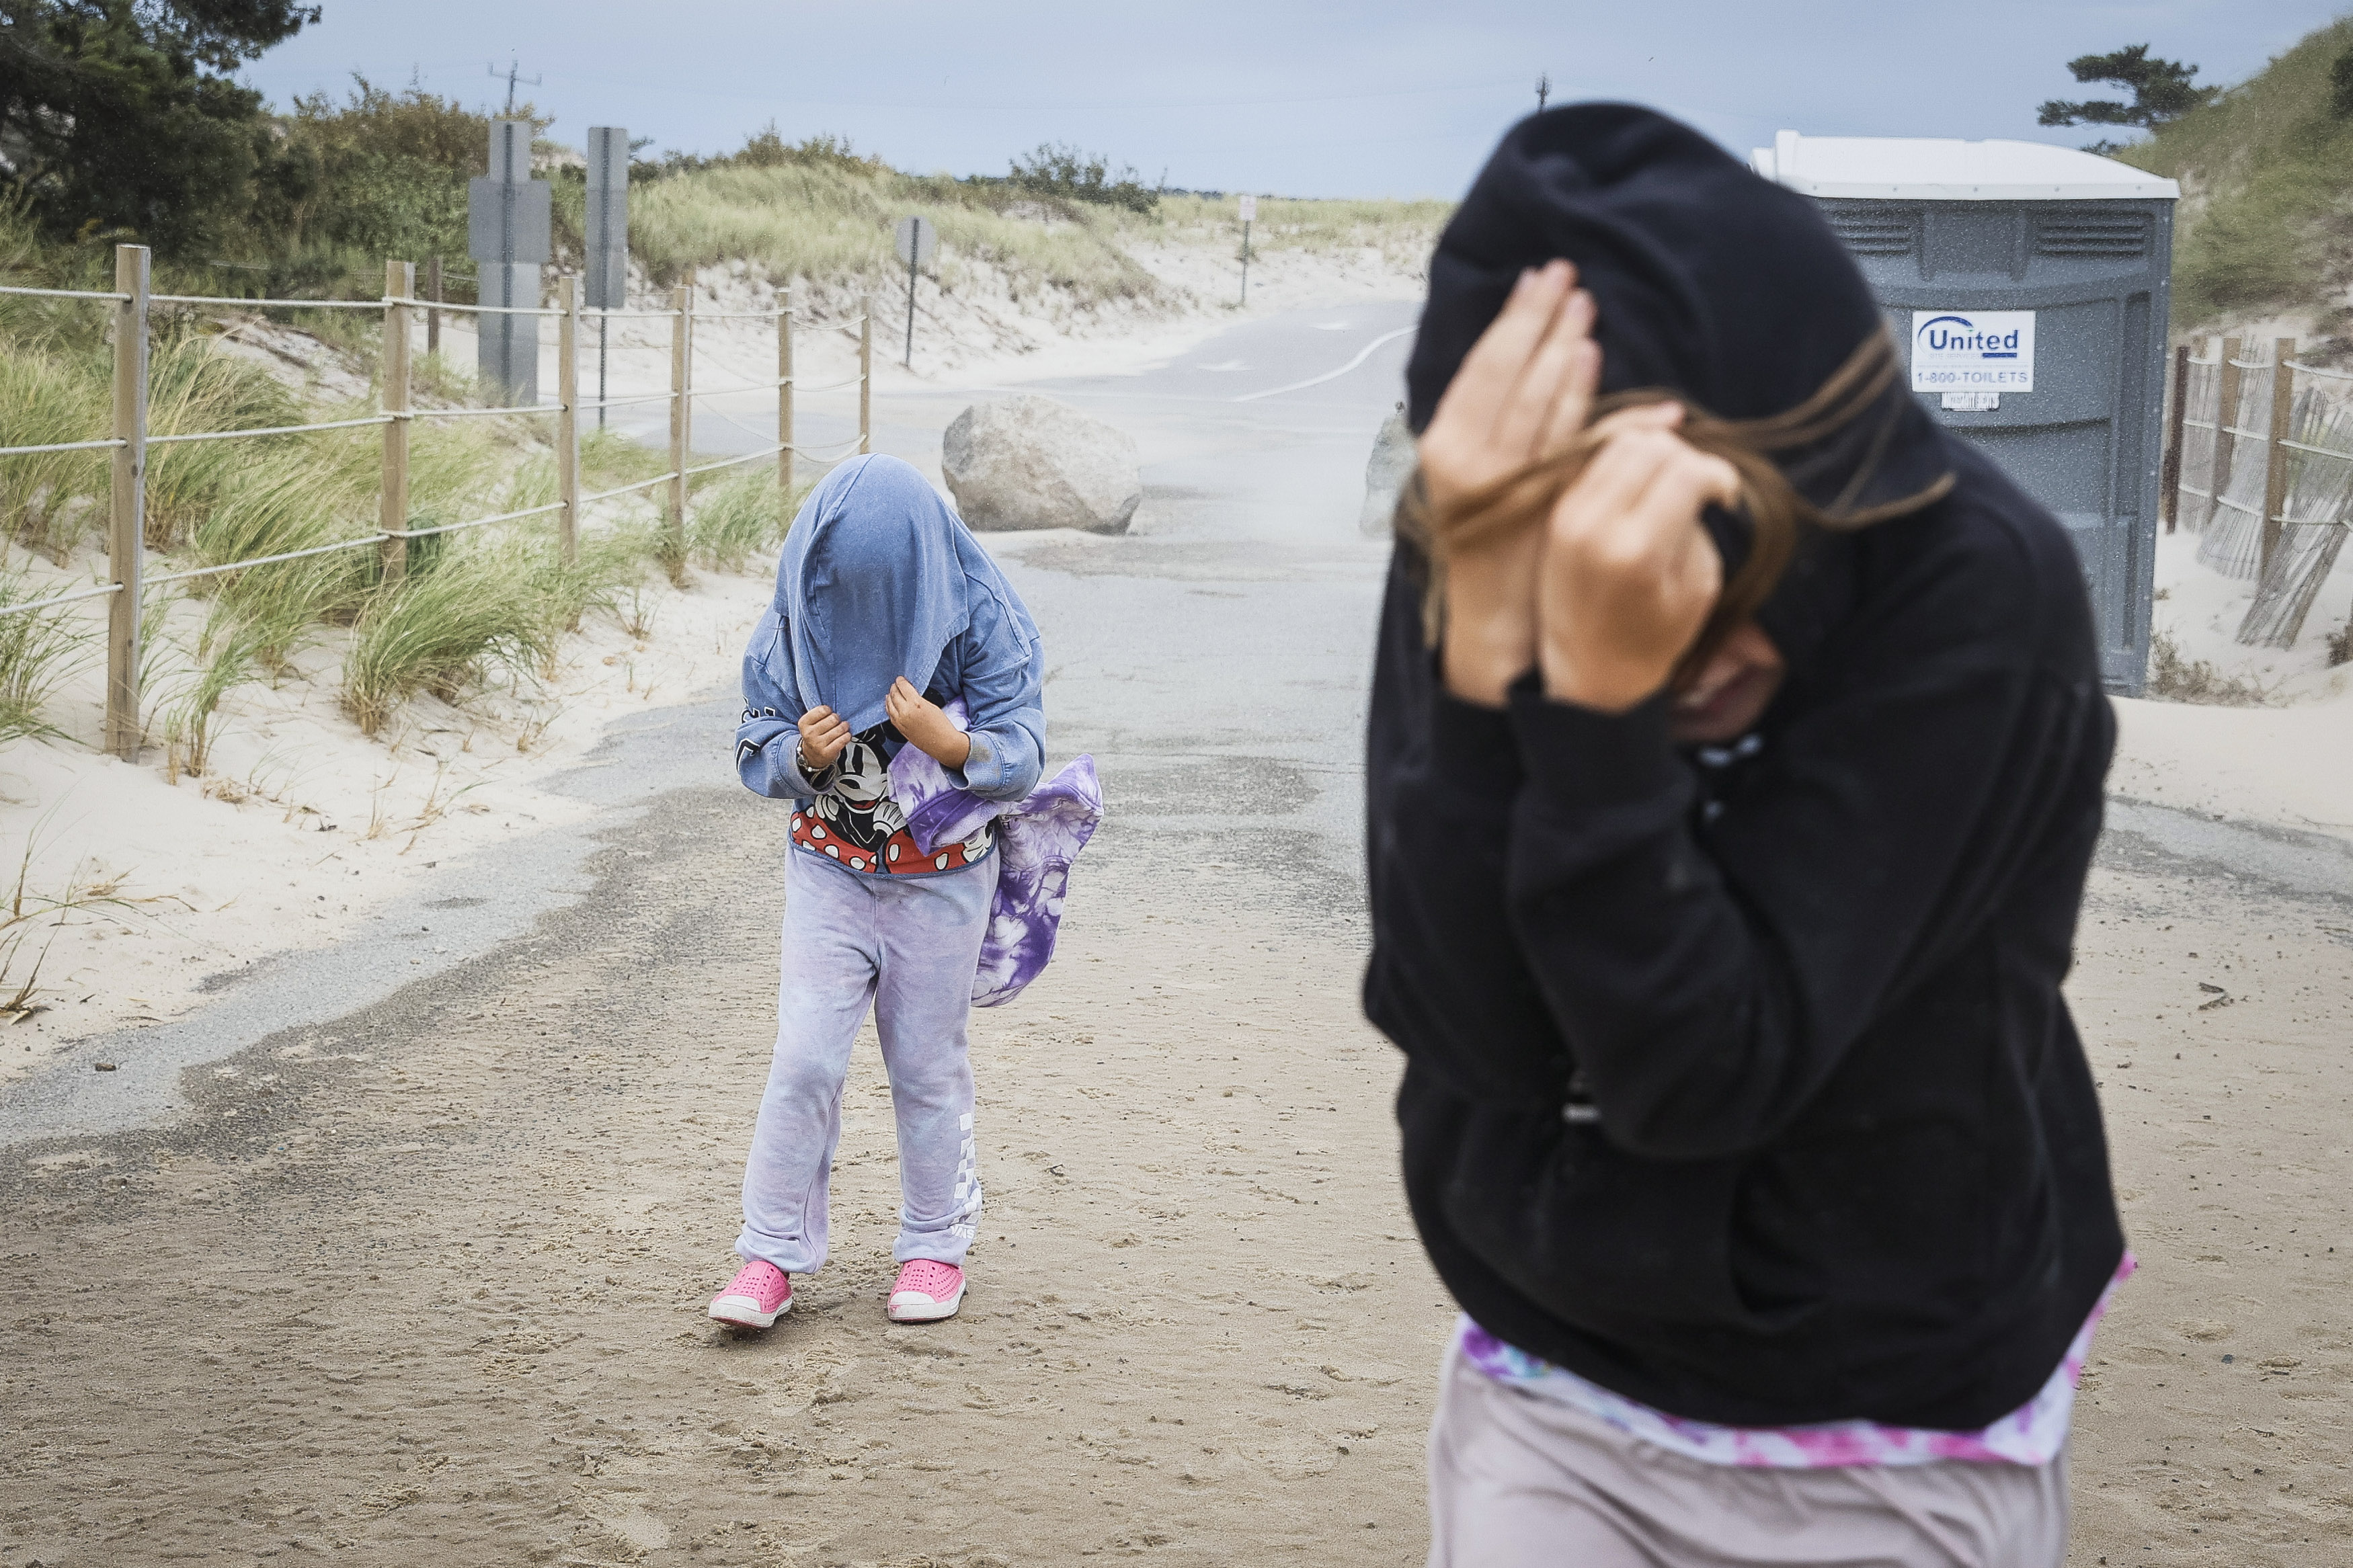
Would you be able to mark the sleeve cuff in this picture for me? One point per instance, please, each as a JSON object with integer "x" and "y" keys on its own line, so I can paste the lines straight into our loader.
{"x": 1579, "y": 759}
{"x": 1460, "y": 732}
{"x": 982, "y": 768}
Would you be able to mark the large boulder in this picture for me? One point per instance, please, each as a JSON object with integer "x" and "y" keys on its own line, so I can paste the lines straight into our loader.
{"x": 1386, "y": 473}
{"x": 1031, "y": 462}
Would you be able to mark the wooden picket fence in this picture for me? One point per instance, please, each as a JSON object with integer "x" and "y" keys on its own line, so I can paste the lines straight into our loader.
{"x": 2259, "y": 463}
{"x": 128, "y": 583}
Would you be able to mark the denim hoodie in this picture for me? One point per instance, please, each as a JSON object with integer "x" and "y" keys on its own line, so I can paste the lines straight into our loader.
{"x": 881, "y": 578}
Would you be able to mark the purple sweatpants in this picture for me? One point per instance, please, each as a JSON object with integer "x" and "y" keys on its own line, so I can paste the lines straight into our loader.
{"x": 906, "y": 946}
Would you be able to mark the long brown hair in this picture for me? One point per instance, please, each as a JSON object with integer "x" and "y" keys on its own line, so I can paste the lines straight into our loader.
{"x": 1777, "y": 513}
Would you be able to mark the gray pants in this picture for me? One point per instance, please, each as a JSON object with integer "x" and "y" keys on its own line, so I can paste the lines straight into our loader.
{"x": 1517, "y": 1480}
{"x": 907, "y": 946}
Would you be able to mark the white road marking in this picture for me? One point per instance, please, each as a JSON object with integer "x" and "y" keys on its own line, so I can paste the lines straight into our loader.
{"x": 1362, "y": 355}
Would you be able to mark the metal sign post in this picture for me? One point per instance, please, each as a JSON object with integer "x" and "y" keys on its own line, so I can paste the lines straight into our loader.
{"x": 1249, "y": 212}
{"x": 508, "y": 233}
{"x": 918, "y": 242}
{"x": 607, "y": 236}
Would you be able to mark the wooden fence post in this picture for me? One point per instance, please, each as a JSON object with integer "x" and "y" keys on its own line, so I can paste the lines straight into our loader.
{"x": 126, "y": 536}
{"x": 567, "y": 422}
{"x": 785, "y": 399}
{"x": 392, "y": 510}
{"x": 2169, "y": 476}
{"x": 866, "y": 375}
{"x": 2280, "y": 431}
{"x": 2226, "y": 415}
{"x": 433, "y": 317}
{"x": 681, "y": 423}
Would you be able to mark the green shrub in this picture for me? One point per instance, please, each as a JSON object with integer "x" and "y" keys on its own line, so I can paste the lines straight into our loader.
{"x": 1059, "y": 169}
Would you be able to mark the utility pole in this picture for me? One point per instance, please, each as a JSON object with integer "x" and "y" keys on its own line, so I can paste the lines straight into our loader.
{"x": 513, "y": 76}
{"x": 1544, "y": 91}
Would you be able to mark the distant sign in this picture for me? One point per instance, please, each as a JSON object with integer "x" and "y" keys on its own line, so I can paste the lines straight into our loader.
{"x": 918, "y": 241}
{"x": 1250, "y": 209}
{"x": 507, "y": 210}
{"x": 1973, "y": 350}
{"x": 607, "y": 240}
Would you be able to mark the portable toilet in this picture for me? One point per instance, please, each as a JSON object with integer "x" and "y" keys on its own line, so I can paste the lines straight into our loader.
{"x": 2027, "y": 287}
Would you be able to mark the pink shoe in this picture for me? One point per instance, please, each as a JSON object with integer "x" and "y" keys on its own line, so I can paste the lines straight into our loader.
{"x": 925, "y": 1292}
{"x": 756, "y": 1298}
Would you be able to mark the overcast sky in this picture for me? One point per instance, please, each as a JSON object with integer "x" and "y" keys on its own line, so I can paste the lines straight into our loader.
{"x": 1377, "y": 99}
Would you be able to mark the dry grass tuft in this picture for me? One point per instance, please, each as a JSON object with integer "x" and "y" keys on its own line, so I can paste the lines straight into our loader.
{"x": 2174, "y": 678}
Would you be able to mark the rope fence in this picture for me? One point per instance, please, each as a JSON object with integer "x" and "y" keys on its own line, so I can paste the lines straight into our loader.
{"x": 62, "y": 447}
{"x": 272, "y": 430}
{"x": 130, "y": 299}
{"x": 63, "y": 293}
{"x": 100, "y": 591}
{"x": 266, "y": 304}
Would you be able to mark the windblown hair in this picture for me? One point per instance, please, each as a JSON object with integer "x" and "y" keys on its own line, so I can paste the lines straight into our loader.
{"x": 1777, "y": 513}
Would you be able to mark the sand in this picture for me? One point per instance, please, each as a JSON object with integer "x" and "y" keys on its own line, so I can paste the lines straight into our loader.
{"x": 435, "y": 1273}
{"x": 424, "y": 1284}
{"x": 2213, "y": 1426}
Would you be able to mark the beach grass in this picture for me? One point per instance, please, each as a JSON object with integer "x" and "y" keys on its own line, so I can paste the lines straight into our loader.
{"x": 40, "y": 650}
{"x": 741, "y": 517}
{"x": 2266, "y": 172}
{"x": 832, "y": 222}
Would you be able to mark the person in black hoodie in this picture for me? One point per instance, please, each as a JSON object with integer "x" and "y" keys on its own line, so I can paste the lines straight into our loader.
{"x": 1734, "y": 767}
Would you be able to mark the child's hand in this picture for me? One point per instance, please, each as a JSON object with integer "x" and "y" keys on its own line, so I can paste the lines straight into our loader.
{"x": 925, "y": 725}
{"x": 824, "y": 733}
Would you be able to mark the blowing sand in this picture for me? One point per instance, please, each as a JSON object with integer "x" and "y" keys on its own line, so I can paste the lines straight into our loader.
{"x": 425, "y": 1285}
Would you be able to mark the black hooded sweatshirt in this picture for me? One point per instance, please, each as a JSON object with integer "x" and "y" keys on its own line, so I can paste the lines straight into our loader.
{"x": 1739, "y": 1080}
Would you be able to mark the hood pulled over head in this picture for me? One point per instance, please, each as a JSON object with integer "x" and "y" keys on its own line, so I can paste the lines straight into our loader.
{"x": 1711, "y": 284}
{"x": 877, "y": 576}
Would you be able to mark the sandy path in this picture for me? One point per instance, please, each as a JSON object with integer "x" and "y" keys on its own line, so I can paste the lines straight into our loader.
{"x": 2214, "y": 1426}
{"x": 434, "y": 1272}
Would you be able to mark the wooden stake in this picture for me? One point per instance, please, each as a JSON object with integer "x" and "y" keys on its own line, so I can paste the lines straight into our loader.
{"x": 866, "y": 377}
{"x": 433, "y": 317}
{"x": 2280, "y": 430}
{"x": 784, "y": 397}
{"x": 682, "y": 423}
{"x": 2226, "y": 415}
{"x": 2169, "y": 476}
{"x": 567, "y": 422}
{"x": 392, "y": 510}
{"x": 126, "y": 541}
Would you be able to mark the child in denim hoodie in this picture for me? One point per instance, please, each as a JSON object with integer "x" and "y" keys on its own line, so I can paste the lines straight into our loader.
{"x": 890, "y": 621}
